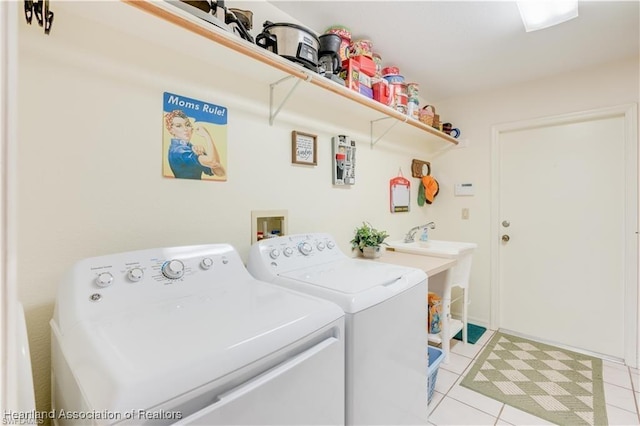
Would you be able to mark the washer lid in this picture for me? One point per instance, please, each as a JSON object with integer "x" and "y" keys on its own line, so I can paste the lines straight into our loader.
{"x": 356, "y": 284}
{"x": 141, "y": 358}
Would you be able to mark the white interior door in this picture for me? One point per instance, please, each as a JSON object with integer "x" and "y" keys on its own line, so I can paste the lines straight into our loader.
{"x": 563, "y": 197}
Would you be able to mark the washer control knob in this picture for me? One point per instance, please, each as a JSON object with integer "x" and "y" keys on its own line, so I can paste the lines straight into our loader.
{"x": 173, "y": 269}
{"x": 305, "y": 248}
{"x": 206, "y": 263}
{"x": 274, "y": 253}
{"x": 135, "y": 274}
{"x": 288, "y": 251}
{"x": 104, "y": 279}
{"x": 321, "y": 246}
{"x": 331, "y": 245}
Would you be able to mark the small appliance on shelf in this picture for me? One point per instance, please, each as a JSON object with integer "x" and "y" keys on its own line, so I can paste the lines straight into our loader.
{"x": 235, "y": 21}
{"x": 291, "y": 41}
{"x": 329, "y": 62}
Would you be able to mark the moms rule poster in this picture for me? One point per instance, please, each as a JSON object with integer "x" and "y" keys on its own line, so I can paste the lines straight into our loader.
{"x": 194, "y": 142}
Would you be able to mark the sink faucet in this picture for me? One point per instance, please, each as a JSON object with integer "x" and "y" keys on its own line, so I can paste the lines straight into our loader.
{"x": 409, "y": 238}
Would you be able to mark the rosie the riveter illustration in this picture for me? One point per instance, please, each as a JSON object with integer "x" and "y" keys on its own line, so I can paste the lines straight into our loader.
{"x": 188, "y": 157}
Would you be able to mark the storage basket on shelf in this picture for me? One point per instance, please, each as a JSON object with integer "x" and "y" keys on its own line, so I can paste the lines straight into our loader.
{"x": 427, "y": 115}
{"x": 435, "y": 358}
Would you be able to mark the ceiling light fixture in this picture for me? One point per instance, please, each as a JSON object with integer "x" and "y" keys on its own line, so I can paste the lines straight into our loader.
{"x": 539, "y": 14}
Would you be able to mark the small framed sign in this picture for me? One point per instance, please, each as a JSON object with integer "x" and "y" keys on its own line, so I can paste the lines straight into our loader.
{"x": 304, "y": 148}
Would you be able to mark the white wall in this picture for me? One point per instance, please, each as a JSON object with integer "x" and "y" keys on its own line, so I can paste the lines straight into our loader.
{"x": 90, "y": 154}
{"x": 89, "y": 160}
{"x": 581, "y": 90}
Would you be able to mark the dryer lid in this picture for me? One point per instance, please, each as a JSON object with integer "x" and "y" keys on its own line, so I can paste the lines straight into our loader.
{"x": 140, "y": 358}
{"x": 357, "y": 284}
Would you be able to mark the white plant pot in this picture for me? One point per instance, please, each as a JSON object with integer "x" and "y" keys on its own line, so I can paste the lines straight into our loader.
{"x": 371, "y": 252}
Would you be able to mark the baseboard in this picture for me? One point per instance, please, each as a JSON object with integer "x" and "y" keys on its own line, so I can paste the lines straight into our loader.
{"x": 560, "y": 345}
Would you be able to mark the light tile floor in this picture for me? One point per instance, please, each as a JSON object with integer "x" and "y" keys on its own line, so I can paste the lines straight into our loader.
{"x": 453, "y": 404}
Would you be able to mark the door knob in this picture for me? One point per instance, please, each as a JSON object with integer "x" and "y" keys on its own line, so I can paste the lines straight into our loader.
{"x": 505, "y": 238}
{"x": 506, "y": 223}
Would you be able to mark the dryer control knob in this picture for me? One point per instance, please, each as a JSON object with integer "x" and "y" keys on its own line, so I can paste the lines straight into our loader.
{"x": 104, "y": 279}
{"x": 321, "y": 246}
{"x": 206, "y": 263}
{"x": 135, "y": 274}
{"x": 274, "y": 253}
{"x": 331, "y": 245}
{"x": 173, "y": 269}
{"x": 305, "y": 248}
{"x": 288, "y": 251}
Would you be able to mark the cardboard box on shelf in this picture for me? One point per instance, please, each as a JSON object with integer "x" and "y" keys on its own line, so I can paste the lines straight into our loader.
{"x": 351, "y": 74}
{"x": 364, "y": 79}
{"x": 367, "y": 91}
{"x": 367, "y": 66}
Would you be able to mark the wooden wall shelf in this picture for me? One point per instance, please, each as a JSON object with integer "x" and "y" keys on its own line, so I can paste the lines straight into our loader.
{"x": 264, "y": 64}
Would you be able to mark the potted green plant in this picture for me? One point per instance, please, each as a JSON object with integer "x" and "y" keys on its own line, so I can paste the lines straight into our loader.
{"x": 367, "y": 240}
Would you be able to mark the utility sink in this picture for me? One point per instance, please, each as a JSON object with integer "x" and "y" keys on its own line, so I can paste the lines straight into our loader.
{"x": 455, "y": 276}
{"x": 436, "y": 248}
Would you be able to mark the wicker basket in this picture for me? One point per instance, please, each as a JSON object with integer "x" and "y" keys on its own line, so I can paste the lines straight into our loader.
{"x": 428, "y": 116}
{"x": 425, "y": 115}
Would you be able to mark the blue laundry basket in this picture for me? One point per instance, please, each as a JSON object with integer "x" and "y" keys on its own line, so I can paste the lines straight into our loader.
{"x": 435, "y": 358}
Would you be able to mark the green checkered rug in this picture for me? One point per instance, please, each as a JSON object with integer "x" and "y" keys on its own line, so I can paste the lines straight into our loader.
{"x": 555, "y": 384}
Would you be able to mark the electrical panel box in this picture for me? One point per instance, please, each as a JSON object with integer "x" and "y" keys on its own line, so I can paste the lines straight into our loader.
{"x": 344, "y": 160}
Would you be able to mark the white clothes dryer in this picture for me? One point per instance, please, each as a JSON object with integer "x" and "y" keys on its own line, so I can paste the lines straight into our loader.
{"x": 186, "y": 335}
{"x": 386, "y": 315}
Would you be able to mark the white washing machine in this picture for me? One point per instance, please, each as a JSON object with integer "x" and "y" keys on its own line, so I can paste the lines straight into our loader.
{"x": 186, "y": 335}
{"x": 386, "y": 316}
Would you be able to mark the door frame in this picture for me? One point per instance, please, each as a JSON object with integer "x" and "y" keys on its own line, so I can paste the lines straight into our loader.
{"x": 8, "y": 144}
{"x": 631, "y": 249}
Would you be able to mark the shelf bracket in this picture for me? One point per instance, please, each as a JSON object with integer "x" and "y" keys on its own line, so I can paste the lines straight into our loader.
{"x": 272, "y": 86}
{"x": 373, "y": 142}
